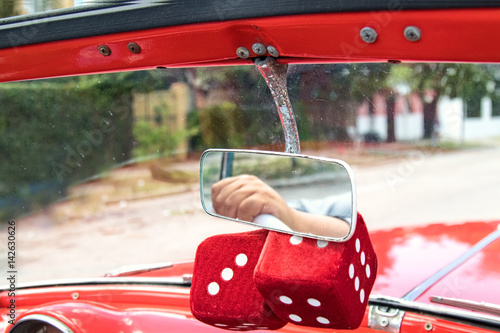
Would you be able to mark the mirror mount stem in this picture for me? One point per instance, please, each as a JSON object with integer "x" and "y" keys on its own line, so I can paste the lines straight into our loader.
{"x": 275, "y": 75}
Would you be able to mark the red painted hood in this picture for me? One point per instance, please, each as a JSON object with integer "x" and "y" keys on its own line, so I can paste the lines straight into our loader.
{"x": 408, "y": 256}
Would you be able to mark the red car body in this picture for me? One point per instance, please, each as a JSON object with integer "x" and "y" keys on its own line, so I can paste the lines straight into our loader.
{"x": 406, "y": 256}
{"x": 147, "y": 308}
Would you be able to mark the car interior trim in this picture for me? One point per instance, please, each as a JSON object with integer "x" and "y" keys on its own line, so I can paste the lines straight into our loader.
{"x": 170, "y": 281}
{"x": 136, "y": 269}
{"x": 23, "y": 325}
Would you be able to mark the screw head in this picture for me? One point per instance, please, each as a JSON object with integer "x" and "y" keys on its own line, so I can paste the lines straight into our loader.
{"x": 428, "y": 326}
{"x": 75, "y": 295}
{"x": 242, "y": 52}
{"x": 259, "y": 49}
{"x": 384, "y": 321}
{"x": 134, "y": 47}
{"x": 412, "y": 33}
{"x": 368, "y": 35}
{"x": 104, "y": 50}
{"x": 272, "y": 51}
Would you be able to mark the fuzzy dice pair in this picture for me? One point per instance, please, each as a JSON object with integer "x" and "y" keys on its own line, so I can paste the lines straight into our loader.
{"x": 263, "y": 280}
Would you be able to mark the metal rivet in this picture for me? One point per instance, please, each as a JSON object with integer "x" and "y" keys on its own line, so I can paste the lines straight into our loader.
{"x": 428, "y": 326}
{"x": 273, "y": 52}
{"x": 368, "y": 35}
{"x": 134, "y": 47}
{"x": 75, "y": 295}
{"x": 259, "y": 49}
{"x": 105, "y": 51}
{"x": 413, "y": 34}
{"x": 384, "y": 321}
{"x": 242, "y": 52}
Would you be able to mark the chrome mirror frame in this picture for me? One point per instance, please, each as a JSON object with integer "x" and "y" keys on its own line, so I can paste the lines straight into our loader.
{"x": 346, "y": 166}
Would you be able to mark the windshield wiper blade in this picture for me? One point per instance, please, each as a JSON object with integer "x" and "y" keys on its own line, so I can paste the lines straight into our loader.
{"x": 468, "y": 305}
{"x": 416, "y": 292}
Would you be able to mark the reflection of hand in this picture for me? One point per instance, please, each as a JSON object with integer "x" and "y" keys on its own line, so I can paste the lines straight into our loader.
{"x": 245, "y": 197}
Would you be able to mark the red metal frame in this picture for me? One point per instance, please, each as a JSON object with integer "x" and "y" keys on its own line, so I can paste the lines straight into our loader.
{"x": 447, "y": 36}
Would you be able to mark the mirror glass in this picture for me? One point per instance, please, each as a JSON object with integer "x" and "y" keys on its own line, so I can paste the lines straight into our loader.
{"x": 298, "y": 194}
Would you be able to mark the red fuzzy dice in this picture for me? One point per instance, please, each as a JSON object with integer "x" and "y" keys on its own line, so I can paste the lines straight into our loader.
{"x": 317, "y": 283}
{"x": 223, "y": 293}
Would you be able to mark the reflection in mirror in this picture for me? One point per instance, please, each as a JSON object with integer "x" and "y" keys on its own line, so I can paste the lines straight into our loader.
{"x": 299, "y": 194}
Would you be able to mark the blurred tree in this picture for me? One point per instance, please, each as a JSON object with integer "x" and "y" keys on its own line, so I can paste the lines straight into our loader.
{"x": 331, "y": 94}
{"x": 8, "y": 8}
{"x": 431, "y": 81}
{"x": 61, "y": 131}
{"x": 230, "y": 99}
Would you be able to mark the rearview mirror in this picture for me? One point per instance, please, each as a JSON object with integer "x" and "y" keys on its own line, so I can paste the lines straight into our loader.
{"x": 297, "y": 194}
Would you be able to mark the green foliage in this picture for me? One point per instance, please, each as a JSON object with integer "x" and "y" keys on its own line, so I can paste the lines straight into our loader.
{"x": 7, "y": 8}
{"x": 60, "y": 131}
{"x": 158, "y": 140}
{"x": 453, "y": 80}
{"x": 222, "y": 126}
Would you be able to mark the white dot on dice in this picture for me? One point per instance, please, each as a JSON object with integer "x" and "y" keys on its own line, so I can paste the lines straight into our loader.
{"x": 213, "y": 288}
{"x": 295, "y": 318}
{"x": 362, "y": 258}
{"x": 351, "y": 271}
{"x": 356, "y": 283}
{"x": 295, "y": 240}
{"x": 227, "y": 274}
{"x": 362, "y": 295}
{"x": 313, "y": 302}
{"x": 323, "y": 320}
{"x": 321, "y": 243}
{"x": 241, "y": 259}
{"x": 368, "y": 271}
{"x": 358, "y": 245}
{"x": 286, "y": 299}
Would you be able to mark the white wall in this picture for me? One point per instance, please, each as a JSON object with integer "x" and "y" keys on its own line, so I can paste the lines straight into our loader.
{"x": 408, "y": 126}
{"x": 450, "y": 117}
{"x": 453, "y": 127}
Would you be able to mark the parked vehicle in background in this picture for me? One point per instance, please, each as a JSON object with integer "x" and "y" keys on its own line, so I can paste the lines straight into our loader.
{"x": 107, "y": 109}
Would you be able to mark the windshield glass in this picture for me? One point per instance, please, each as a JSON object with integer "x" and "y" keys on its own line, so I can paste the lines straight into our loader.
{"x": 101, "y": 171}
